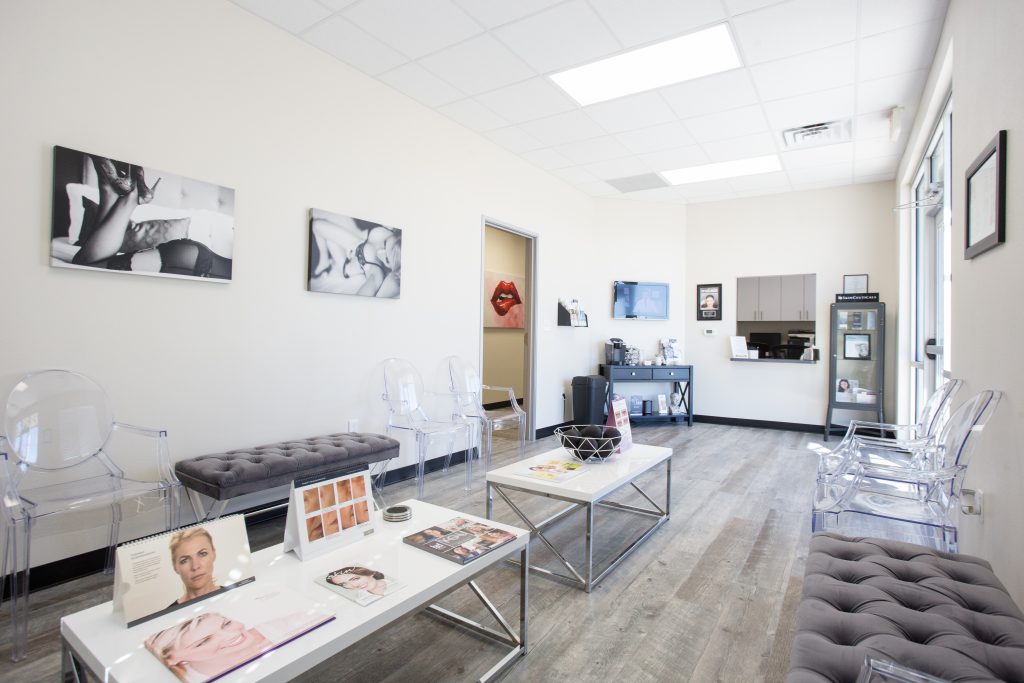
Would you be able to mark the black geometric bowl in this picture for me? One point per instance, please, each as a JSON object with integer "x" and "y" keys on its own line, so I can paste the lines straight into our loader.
{"x": 589, "y": 443}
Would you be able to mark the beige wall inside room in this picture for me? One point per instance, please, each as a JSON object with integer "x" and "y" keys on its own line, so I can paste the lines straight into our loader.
{"x": 988, "y": 96}
{"x": 828, "y": 232}
{"x": 505, "y": 349}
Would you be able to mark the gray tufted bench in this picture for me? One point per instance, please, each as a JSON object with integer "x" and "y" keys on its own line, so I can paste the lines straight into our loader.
{"x": 223, "y": 476}
{"x": 939, "y": 613}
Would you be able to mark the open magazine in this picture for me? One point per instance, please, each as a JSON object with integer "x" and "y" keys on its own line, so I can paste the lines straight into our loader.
{"x": 556, "y": 470}
{"x": 228, "y": 631}
{"x": 459, "y": 540}
{"x": 361, "y": 585}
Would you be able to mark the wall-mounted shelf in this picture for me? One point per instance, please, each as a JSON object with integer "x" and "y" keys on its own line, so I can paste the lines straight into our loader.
{"x": 565, "y": 317}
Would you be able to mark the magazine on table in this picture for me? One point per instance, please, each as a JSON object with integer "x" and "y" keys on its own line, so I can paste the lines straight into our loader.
{"x": 459, "y": 540}
{"x": 361, "y": 585}
{"x": 556, "y": 470}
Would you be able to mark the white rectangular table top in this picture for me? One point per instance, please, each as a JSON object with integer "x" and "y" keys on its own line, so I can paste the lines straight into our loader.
{"x": 597, "y": 481}
{"x": 117, "y": 653}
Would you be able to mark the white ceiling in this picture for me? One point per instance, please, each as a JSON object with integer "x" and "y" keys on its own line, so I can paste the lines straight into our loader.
{"x": 484, "y": 64}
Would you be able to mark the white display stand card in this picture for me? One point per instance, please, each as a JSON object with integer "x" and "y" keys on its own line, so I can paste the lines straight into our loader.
{"x": 619, "y": 417}
{"x": 329, "y": 512}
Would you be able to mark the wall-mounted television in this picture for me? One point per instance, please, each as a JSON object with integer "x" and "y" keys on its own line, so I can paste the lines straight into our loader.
{"x": 640, "y": 300}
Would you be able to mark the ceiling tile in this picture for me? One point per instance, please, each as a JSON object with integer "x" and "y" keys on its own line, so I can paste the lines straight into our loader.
{"x": 870, "y": 149}
{"x": 576, "y": 174}
{"x": 828, "y": 105}
{"x": 727, "y": 124}
{"x": 905, "y": 49}
{"x": 595, "y": 149}
{"x": 421, "y": 85}
{"x": 873, "y": 125}
{"x": 818, "y": 156}
{"x": 561, "y": 128}
{"x": 891, "y": 91}
{"x": 598, "y": 188}
{"x": 617, "y": 168}
{"x": 478, "y": 65}
{"x": 514, "y": 139}
{"x": 831, "y": 173}
{"x": 644, "y": 21}
{"x": 879, "y": 16}
{"x": 293, "y": 16}
{"x": 793, "y": 28}
{"x": 491, "y": 13}
{"x": 881, "y": 177}
{"x": 473, "y": 115}
{"x": 756, "y": 145}
{"x": 761, "y": 181}
{"x": 822, "y": 69}
{"x": 560, "y": 37}
{"x": 529, "y": 100}
{"x": 336, "y": 5}
{"x": 547, "y": 158}
{"x": 629, "y": 113}
{"x": 737, "y": 7}
{"x": 818, "y": 183}
{"x": 723, "y": 91}
{"x": 665, "y": 136}
{"x": 876, "y": 166}
{"x": 658, "y": 194}
{"x": 671, "y": 159}
{"x": 414, "y": 27}
{"x": 352, "y": 45}
{"x": 705, "y": 189}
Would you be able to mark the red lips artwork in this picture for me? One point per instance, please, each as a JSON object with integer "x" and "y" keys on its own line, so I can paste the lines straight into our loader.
{"x": 506, "y": 305}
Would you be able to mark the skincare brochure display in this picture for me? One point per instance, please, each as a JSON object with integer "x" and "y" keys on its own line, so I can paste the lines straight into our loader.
{"x": 459, "y": 540}
{"x": 227, "y": 632}
{"x": 163, "y": 573}
{"x": 618, "y": 417}
{"x": 329, "y": 512}
{"x": 361, "y": 585}
{"x": 554, "y": 470}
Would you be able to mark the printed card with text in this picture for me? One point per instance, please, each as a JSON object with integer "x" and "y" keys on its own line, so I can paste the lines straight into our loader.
{"x": 329, "y": 512}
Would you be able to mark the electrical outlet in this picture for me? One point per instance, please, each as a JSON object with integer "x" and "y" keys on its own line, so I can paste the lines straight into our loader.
{"x": 353, "y": 424}
{"x": 971, "y": 501}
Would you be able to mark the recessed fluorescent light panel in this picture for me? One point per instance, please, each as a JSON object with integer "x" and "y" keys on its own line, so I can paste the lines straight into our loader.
{"x": 726, "y": 169}
{"x": 680, "y": 59}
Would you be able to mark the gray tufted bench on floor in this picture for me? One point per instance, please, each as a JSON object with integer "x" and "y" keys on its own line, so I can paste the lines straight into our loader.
{"x": 223, "y": 476}
{"x": 939, "y": 613}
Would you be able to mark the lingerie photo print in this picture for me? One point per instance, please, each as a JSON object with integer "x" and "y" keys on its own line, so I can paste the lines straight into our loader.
{"x": 121, "y": 216}
{"x": 354, "y": 256}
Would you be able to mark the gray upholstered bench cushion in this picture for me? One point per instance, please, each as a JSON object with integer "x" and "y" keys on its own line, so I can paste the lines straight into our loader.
{"x": 940, "y": 613}
{"x": 225, "y": 475}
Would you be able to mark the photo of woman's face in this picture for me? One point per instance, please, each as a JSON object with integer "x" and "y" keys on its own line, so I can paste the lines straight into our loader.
{"x": 348, "y": 517}
{"x": 362, "y": 512}
{"x": 344, "y": 491}
{"x": 358, "y": 487}
{"x": 193, "y": 562}
{"x": 331, "y": 523}
{"x": 327, "y": 496}
{"x": 215, "y": 641}
{"x": 311, "y": 500}
{"x": 354, "y": 581}
{"x": 314, "y": 528}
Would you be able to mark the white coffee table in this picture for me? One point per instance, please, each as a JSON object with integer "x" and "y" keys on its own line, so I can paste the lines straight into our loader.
{"x": 98, "y": 640}
{"x": 585, "y": 492}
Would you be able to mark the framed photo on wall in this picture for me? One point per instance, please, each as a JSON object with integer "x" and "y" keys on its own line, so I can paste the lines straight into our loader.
{"x": 986, "y": 199}
{"x": 857, "y": 346}
{"x": 709, "y": 302}
{"x": 855, "y": 284}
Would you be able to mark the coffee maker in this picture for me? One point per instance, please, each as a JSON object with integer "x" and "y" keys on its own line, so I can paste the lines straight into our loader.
{"x": 615, "y": 352}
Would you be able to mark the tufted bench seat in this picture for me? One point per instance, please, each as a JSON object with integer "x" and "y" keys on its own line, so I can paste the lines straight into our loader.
{"x": 943, "y": 614}
{"x": 223, "y": 476}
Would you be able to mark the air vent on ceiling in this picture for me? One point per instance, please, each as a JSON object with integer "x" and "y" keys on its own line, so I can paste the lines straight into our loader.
{"x": 816, "y": 134}
{"x": 634, "y": 183}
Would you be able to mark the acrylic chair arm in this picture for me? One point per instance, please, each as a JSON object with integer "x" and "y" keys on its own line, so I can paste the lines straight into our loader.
{"x": 511, "y": 395}
{"x": 164, "y": 466}
{"x": 876, "y": 670}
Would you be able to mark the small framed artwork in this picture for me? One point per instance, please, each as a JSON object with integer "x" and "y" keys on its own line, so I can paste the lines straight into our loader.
{"x": 845, "y": 389}
{"x": 855, "y": 284}
{"x": 709, "y": 302}
{"x": 857, "y": 346}
{"x": 986, "y": 199}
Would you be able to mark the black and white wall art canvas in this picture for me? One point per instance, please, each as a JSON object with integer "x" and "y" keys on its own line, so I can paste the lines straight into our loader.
{"x": 119, "y": 216}
{"x": 354, "y": 256}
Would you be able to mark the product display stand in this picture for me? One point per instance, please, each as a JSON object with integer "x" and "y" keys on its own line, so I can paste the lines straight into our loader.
{"x": 679, "y": 376}
{"x": 856, "y": 377}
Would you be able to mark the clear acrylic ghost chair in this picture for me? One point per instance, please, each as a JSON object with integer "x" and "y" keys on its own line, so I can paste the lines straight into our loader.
{"x": 870, "y": 443}
{"x": 918, "y": 505}
{"x": 404, "y": 395}
{"x": 52, "y": 461}
{"x": 468, "y": 390}
{"x": 882, "y": 671}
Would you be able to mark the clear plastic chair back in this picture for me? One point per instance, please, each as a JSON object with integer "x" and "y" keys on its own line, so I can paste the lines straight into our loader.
{"x": 56, "y": 419}
{"x": 955, "y": 443}
{"x": 402, "y": 388}
{"x": 466, "y": 384}
{"x": 936, "y": 409}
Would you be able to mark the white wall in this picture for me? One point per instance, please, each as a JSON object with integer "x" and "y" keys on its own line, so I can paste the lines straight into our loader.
{"x": 207, "y": 90}
{"x": 504, "y": 351}
{"x": 828, "y": 232}
{"x": 988, "y": 95}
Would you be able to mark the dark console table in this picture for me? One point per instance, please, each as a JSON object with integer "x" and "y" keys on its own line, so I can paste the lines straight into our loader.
{"x": 680, "y": 376}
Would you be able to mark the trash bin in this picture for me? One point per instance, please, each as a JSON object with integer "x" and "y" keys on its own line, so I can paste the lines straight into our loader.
{"x": 588, "y": 398}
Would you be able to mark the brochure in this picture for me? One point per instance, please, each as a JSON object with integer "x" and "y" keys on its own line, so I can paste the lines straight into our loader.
{"x": 328, "y": 512}
{"x": 361, "y": 585}
{"x": 229, "y": 631}
{"x": 618, "y": 417}
{"x": 166, "y": 572}
{"x": 460, "y": 540}
{"x": 556, "y": 469}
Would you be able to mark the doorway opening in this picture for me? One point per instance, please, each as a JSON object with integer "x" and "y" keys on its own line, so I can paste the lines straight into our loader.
{"x": 507, "y": 351}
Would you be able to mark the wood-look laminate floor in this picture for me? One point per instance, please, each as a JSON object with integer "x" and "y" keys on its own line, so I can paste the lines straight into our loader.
{"x": 711, "y": 596}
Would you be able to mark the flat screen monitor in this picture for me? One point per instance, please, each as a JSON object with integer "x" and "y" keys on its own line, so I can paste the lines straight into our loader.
{"x": 640, "y": 300}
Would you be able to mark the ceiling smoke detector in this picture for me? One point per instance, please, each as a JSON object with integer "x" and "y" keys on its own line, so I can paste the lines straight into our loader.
{"x": 816, "y": 134}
